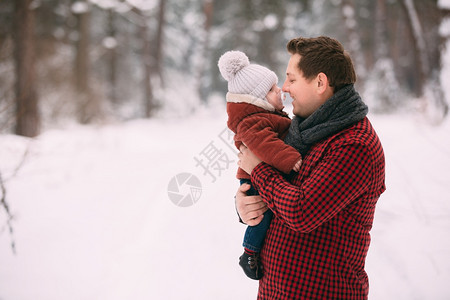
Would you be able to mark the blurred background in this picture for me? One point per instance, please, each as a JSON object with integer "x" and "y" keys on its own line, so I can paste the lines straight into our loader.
{"x": 64, "y": 61}
{"x": 122, "y": 96}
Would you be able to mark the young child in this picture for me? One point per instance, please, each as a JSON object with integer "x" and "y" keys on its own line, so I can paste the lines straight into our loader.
{"x": 254, "y": 107}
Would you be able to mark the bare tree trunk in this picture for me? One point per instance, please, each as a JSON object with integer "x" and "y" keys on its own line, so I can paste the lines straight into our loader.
{"x": 88, "y": 105}
{"x": 147, "y": 63}
{"x": 27, "y": 114}
{"x": 434, "y": 103}
{"x": 381, "y": 87}
{"x": 266, "y": 52}
{"x": 159, "y": 41}
{"x": 354, "y": 39}
{"x": 82, "y": 53}
{"x": 419, "y": 41}
{"x": 381, "y": 49}
{"x": 112, "y": 59}
{"x": 445, "y": 12}
{"x": 208, "y": 10}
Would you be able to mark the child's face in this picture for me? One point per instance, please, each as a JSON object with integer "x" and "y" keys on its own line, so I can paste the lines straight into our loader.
{"x": 274, "y": 97}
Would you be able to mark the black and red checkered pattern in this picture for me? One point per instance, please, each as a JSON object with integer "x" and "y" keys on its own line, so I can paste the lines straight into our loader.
{"x": 317, "y": 243}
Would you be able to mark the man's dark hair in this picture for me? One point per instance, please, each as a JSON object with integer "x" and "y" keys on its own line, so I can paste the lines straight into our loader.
{"x": 326, "y": 55}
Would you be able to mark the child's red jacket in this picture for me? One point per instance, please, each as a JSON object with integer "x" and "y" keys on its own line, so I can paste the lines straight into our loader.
{"x": 262, "y": 129}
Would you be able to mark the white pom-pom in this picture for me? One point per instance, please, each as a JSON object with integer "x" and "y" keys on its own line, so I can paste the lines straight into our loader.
{"x": 231, "y": 62}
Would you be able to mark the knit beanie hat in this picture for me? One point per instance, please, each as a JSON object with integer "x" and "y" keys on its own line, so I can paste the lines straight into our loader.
{"x": 245, "y": 78}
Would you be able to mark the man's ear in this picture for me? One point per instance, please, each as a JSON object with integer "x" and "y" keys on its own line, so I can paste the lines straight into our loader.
{"x": 322, "y": 83}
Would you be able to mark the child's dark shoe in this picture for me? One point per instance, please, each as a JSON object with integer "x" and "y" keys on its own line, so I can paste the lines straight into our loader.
{"x": 251, "y": 264}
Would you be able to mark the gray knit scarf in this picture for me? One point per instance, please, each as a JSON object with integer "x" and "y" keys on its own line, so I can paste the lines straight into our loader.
{"x": 342, "y": 110}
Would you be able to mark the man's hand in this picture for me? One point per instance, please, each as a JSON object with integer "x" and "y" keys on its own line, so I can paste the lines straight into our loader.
{"x": 250, "y": 208}
{"x": 247, "y": 160}
{"x": 297, "y": 166}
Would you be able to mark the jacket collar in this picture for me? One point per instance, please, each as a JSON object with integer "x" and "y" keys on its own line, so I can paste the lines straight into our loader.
{"x": 245, "y": 98}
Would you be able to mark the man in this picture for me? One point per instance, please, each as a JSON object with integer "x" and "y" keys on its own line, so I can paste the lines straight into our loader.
{"x": 318, "y": 240}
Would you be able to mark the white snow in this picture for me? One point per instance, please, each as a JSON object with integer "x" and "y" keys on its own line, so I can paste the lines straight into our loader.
{"x": 109, "y": 42}
{"x": 444, "y": 4}
{"x": 143, "y": 4}
{"x": 93, "y": 219}
{"x": 270, "y": 21}
{"x": 80, "y": 7}
{"x": 444, "y": 29}
{"x": 105, "y": 4}
{"x": 348, "y": 11}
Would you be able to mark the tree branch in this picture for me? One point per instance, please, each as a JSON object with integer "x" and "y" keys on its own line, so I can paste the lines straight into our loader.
{"x": 9, "y": 216}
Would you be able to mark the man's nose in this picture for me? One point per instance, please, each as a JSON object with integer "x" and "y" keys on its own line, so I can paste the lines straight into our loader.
{"x": 284, "y": 88}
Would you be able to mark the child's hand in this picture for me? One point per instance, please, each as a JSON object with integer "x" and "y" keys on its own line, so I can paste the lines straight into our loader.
{"x": 297, "y": 165}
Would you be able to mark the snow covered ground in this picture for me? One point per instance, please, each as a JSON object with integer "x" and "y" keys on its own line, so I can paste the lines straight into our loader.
{"x": 93, "y": 218}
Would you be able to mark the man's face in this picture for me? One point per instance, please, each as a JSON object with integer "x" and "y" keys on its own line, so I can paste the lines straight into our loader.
{"x": 306, "y": 100}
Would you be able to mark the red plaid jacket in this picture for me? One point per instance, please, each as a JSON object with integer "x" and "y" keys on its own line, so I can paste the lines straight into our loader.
{"x": 317, "y": 244}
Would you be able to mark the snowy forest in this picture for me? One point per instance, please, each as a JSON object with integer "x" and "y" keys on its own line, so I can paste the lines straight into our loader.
{"x": 99, "y": 60}
{"x": 107, "y": 105}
